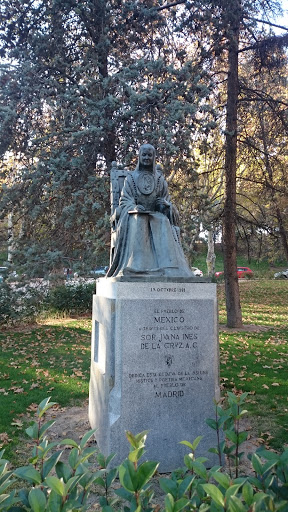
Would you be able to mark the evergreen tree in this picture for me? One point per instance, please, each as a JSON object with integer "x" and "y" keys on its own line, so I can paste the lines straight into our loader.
{"x": 84, "y": 88}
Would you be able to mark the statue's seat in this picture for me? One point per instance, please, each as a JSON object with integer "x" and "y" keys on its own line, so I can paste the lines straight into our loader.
{"x": 117, "y": 178}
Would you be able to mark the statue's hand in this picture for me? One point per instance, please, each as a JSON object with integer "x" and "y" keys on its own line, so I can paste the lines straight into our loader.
{"x": 139, "y": 208}
{"x": 162, "y": 205}
{"x": 115, "y": 216}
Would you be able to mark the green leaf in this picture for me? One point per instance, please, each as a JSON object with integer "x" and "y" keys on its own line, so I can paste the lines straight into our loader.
{"x": 247, "y": 493}
{"x": 231, "y": 435}
{"x": 56, "y": 485}
{"x": 137, "y": 441}
{"x": 107, "y": 508}
{"x": 87, "y": 437}
{"x": 128, "y": 476}
{"x": 44, "y": 406}
{"x": 232, "y": 491}
{"x": 88, "y": 452}
{"x": 37, "y": 500}
{"x": 211, "y": 423}
{"x": 185, "y": 484}
{"x": 242, "y": 436}
{"x": 169, "y": 486}
{"x": 100, "y": 481}
{"x": 72, "y": 482}
{"x": 73, "y": 458}
{"x": 256, "y": 463}
{"x": 101, "y": 460}
{"x": 260, "y": 497}
{"x": 125, "y": 495}
{"x": 7, "y": 500}
{"x": 32, "y": 431}
{"x": 88, "y": 478}
{"x": 199, "y": 469}
{"x": 195, "y": 443}
{"x": 242, "y": 413}
{"x": 45, "y": 427}
{"x": 169, "y": 503}
{"x": 235, "y": 505}
{"x": 215, "y": 493}
{"x": 135, "y": 455}
{"x": 145, "y": 471}
{"x": 109, "y": 458}
{"x": 69, "y": 442}
{"x": 63, "y": 471}
{"x": 110, "y": 477}
{"x": 284, "y": 456}
{"x": 268, "y": 455}
{"x": 180, "y": 504}
{"x": 28, "y": 473}
{"x": 222, "y": 479}
{"x": 50, "y": 463}
{"x": 186, "y": 443}
{"x": 54, "y": 502}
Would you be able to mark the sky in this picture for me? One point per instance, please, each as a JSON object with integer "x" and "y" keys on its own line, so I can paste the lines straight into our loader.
{"x": 283, "y": 20}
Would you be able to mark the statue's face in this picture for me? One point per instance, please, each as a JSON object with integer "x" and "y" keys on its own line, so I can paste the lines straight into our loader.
{"x": 146, "y": 156}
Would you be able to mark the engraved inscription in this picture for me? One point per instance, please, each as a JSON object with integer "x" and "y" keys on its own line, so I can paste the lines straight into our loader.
{"x": 169, "y": 337}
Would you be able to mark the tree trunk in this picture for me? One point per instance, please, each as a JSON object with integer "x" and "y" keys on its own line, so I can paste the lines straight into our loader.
{"x": 269, "y": 170}
{"x": 210, "y": 260}
{"x": 11, "y": 240}
{"x": 233, "y": 307}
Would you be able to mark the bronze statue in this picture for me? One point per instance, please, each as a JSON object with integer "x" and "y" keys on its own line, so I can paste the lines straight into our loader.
{"x": 147, "y": 232}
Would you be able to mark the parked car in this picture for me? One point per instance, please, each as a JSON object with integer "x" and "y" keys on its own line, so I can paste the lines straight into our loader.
{"x": 242, "y": 272}
{"x": 281, "y": 275}
{"x": 197, "y": 272}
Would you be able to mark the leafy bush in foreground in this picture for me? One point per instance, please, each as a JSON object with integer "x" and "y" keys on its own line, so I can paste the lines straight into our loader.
{"x": 52, "y": 485}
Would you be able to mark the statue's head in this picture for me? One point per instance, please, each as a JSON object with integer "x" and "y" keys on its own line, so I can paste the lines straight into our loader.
{"x": 147, "y": 157}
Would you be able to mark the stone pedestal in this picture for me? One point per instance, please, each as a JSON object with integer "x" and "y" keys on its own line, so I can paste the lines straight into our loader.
{"x": 155, "y": 366}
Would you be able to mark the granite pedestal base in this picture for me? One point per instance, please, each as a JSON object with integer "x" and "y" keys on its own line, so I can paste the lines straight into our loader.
{"x": 154, "y": 366}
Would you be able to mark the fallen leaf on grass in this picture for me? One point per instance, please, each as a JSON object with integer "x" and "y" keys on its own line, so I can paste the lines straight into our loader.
{"x": 17, "y": 423}
{"x": 4, "y": 439}
{"x": 275, "y": 384}
{"x": 17, "y": 390}
{"x": 34, "y": 385}
{"x": 265, "y": 386}
{"x": 32, "y": 407}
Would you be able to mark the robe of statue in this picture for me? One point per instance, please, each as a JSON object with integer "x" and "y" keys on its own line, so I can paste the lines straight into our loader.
{"x": 147, "y": 240}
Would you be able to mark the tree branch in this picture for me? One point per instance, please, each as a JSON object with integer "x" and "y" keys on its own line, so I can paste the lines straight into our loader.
{"x": 173, "y": 4}
{"x": 265, "y": 22}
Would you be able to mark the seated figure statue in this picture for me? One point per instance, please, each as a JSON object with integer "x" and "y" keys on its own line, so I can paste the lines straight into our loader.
{"x": 147, "y": 235}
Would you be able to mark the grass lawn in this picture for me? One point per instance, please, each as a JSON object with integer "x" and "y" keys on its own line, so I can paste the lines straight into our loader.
{"x": 49, "y": 360}
{"x": 257, "y": 361}
{"x": 54, "y": 360}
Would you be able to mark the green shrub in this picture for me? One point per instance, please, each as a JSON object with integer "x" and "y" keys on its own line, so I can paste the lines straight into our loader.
{"x": 5, "y": 303}
{"x": 73, "y": 297}
{"x": 21, "y": 301}
{"x": 24, "y": 301}
{"x": 52, "y": 485}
